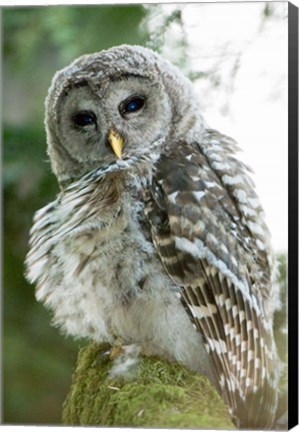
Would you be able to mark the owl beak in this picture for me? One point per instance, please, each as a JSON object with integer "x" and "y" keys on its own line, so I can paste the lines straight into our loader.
{"x": 116, "y": 142}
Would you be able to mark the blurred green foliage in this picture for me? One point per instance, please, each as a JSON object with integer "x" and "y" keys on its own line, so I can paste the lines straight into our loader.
{"x": 67, "y": 31}
{"x": 40, "y": 40}
{"x": 38, "y": 361}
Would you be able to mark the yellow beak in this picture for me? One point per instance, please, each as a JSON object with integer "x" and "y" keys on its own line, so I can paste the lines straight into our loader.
{"x": 116, "y": 143}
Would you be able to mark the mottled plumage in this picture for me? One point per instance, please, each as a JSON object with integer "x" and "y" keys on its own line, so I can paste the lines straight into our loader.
{"x": 157, "y": 237}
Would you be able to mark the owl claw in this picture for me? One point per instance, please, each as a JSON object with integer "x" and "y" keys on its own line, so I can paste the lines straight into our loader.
{"x": 125, "y": 358}
{"x": 120, "y": 349}
{"x": 104, "y": 357}
{"x": 112, "y": 354}
{"x": 116, "y": 352}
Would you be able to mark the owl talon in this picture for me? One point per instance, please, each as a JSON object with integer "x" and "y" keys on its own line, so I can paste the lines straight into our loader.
{"x": 125, "y": 359}
{"x": 119, "y": 350}
{"x": 104, "y": 357}
{"x": 116, "y": 352}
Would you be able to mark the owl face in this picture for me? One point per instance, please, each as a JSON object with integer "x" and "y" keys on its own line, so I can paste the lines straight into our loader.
{"x": 130, "y": 107}
{"x": 98, "y": 113}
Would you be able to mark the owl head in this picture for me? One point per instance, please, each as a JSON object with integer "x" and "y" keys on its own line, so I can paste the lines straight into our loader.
{"x": 117, "y": 103}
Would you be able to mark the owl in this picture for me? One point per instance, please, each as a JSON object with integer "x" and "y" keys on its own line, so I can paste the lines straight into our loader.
{"x": 157, "y": 237}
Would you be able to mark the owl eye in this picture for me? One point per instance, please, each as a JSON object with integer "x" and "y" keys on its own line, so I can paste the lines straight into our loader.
{"x": 84, "y": 118}
{"x": 132, "y": 105}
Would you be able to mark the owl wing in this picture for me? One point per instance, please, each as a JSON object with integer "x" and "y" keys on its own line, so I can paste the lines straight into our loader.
{"x": 217, "y": 252}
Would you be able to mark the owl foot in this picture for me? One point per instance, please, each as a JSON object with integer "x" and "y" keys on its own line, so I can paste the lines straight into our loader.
{"x": 116, "y": 351}
{"x": 125, "y": 359}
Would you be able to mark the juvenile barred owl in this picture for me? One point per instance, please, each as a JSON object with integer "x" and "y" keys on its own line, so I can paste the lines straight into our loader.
{"x": 157, "y": 237}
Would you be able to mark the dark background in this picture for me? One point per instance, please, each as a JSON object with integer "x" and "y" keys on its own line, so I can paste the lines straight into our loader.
{"x": 37, "y": 360}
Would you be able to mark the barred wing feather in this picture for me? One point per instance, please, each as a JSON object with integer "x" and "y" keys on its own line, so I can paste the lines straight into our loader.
{"x": 208, "y": 247}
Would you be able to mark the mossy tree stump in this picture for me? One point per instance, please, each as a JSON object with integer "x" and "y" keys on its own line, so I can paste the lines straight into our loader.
{"x": 160, "y": 395}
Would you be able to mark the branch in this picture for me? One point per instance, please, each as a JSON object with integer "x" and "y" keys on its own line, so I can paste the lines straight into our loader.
{"x": 161, "y": 395}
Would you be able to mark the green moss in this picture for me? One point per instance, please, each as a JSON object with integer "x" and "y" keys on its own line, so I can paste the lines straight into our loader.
{"x": 161, "y": 395}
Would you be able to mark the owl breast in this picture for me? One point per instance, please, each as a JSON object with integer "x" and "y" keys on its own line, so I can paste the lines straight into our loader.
{"x": 104, "y": 281}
